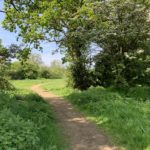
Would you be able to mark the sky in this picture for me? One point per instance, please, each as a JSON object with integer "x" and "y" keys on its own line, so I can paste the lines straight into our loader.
{"x": 10, "y": 38}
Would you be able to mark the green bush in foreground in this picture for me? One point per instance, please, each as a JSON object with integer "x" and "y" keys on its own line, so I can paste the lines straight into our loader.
{"x": 27, "y": 123}
{"x": 16, "y": 133}
{"x": 5, "y": 85}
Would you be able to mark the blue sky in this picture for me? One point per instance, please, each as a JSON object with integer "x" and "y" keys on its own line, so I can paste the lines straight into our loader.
{"x": 9, "y": 38}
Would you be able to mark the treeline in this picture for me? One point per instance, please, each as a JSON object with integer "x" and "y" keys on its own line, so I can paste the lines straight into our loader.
{"x": 30, "y": 68}
{"x": 34, "y": 70}
{"x": 120, "y": 29}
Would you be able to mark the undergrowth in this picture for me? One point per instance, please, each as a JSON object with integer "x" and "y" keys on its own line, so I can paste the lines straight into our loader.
{"x": 27, "y": 122}
{"x": 123, "y": 114}
{"x": 5, "y": 84}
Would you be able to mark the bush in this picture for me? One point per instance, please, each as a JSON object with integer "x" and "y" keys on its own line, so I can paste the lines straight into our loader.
{"x": 16, "y": 74}
{"x": 120, "y": 83}
{"x": 5, "y": 85}
{"x": 16, "y": 133}
{"x": 45, "y": 73}
{"x": 20, "y": 71}
{"x": 139, "y": 93}
{"x": 24, "y": 115}
{"x": 31, "y": 70}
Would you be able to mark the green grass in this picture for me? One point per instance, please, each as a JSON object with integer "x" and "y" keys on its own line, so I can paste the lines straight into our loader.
{"x": 27, "y": 84}
{"x": 124, "y": 115}
{"x": 27, "y": 122}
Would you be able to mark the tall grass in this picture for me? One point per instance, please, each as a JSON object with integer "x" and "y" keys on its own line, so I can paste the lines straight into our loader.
{"x": 28, "y": 121}
{"x": 124, "y": 115}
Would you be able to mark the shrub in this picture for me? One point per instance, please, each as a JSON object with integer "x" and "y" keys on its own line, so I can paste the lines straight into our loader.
{"x": 26, "y": 114}
{"x": 16, "y": 133}
{"x": 5, "y": 85}
{"x": 45, "y": 73}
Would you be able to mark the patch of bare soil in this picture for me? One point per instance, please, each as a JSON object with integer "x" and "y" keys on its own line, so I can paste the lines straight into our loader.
{"x": 80, "y": 133}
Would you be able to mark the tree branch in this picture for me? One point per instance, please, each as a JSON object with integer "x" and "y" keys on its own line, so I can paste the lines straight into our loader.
{"x": 2, "y": 11}
{"x": 12, "y": 3}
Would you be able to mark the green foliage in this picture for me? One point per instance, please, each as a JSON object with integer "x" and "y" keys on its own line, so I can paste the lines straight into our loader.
{"x": 7, "y": 53}
{"x": 16, "y": 71}
{"x": 16, "y": 133}
{"x": 57, "y": 70}
{"x": 138, "y": 93}
{"x": 27, "y": 122}
{"x": 34, "y": 69}
{"x": 4, "y": 59}
{"x": 122, "y": 30}
{"x": 123, "y": 117}
{"x": 104, "y": 70}
{"x": 124, "y": 114}
{"x": 30, "y": 71}
{"x": 26, "y": 70}
{"x": 45, "y": 73}
{"x": 4, "y": 55}
{"x": 79, "y": 77}
{"x": 68, "y": 34}
{"x": 5, "y": 85}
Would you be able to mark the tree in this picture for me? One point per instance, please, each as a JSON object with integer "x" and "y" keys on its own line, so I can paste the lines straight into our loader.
{"x": 29, "y": 69}
{"x": 5, "y": 56}
{"x": 56, "y": 69}
{"x": 36, "y": 59}
{"x": 119, "y": 27}
{"x": 59, "y": 21}
{"x": 122, "y": 28}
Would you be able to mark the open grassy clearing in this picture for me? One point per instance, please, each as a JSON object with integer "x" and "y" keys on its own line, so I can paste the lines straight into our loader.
{"x": 125, "y": 115}
{"x": 27, "y": 84}
{"x": 27, "y": 122}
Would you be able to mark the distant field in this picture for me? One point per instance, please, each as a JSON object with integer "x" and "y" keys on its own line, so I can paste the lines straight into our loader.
{"x": 27, "y": 84}
{"x": 52, "y": 83}
{"x": 124, "y": 115}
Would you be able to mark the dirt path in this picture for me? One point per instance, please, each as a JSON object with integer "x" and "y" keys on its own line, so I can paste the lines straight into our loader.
{"x": 82, "y": 134}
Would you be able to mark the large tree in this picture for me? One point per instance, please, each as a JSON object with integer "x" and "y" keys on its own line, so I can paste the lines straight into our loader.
{"x": 7, "y": 54}
{"x": 119, "y": 27}
{"x": 122, "y": 29}
{"x": 61, "y": 21}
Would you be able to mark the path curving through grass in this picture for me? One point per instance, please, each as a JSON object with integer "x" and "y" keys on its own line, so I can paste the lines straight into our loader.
{"x": 81, "y": 134}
